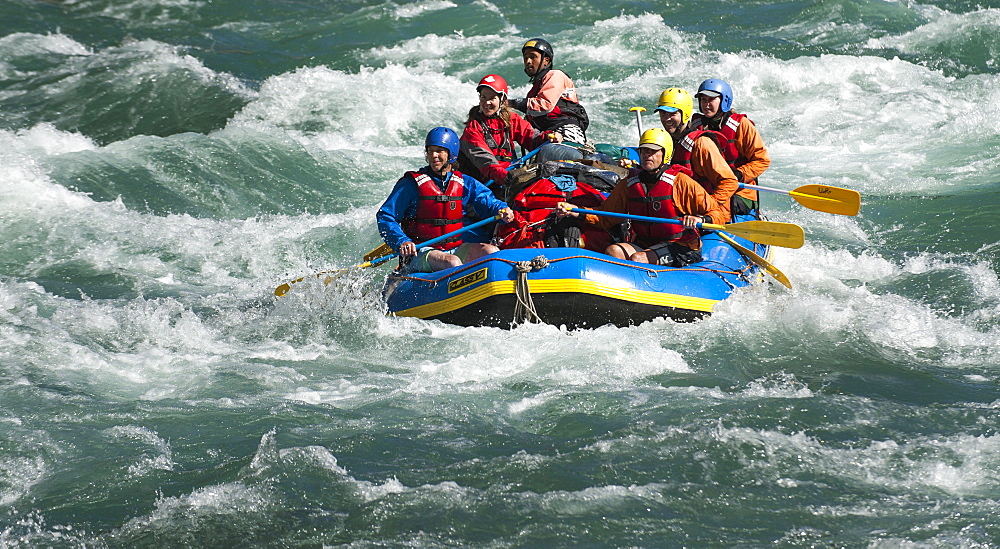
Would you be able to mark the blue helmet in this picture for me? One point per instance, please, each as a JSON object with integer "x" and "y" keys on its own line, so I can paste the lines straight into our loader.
{"x": 717, "y": 88}
{"x": 446, "y": 138}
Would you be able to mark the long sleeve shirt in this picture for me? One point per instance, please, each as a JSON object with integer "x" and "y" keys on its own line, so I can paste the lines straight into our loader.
{"x": 710, "y": 166}
{"x": 689, "y": 197}
{"x": 402, "y": 204}
{"x": 752, "y": 149}
{"x": 753, "y": 158}
{"x": 554, "y": 85}
{"x": 477, "y": 148}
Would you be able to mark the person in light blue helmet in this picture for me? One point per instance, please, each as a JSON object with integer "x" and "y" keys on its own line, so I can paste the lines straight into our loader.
{"x": 740, "y": 141}
{"x": 431, "y": 202}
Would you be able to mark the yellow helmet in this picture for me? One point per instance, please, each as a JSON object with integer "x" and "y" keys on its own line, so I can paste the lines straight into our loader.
{"x": 660, "y": 138}
{"x": 676, "y": 99}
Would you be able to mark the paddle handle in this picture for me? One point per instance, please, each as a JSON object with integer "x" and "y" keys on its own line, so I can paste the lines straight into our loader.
{"x": 638, "y": 118}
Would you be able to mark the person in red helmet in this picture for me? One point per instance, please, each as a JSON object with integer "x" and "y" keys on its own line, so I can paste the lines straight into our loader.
{"x": 552, "y": 103}
{"x": 492, "y": 131}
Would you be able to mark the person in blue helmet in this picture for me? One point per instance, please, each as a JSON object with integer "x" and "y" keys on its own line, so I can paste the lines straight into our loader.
{"x": 431, "y": 202}
{"x": 740, "y": 141}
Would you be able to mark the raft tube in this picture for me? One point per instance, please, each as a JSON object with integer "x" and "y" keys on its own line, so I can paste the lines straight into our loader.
{"x": 573, "y": 287}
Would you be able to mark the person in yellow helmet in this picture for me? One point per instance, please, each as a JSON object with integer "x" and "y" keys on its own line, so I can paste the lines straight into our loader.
{"x": 698, "y": 150}
{"x": 657, "y": 188}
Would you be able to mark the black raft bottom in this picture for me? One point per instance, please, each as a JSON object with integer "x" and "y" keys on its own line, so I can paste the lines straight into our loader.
{"x": 574, "y": 310}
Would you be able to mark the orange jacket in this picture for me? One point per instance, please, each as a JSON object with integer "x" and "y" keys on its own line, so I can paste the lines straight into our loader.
{"x": 753, "y": 158}
{"x": 711, "y": 169}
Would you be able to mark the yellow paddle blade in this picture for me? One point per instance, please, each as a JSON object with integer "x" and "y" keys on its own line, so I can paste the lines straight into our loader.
{"x": 284, "y": 288}
{"x": 758, "y": 260}
{"x": 381, "y": 251}
{"x": 772, "y": 233}
{"x": 823, "y": 198}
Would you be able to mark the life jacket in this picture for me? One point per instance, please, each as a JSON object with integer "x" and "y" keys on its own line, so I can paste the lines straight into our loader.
{"x": 725, "y": 136}
{"x": 504, "y": 150}
{"x": 683, "y": 151}
{"x": 564, "y": 112}
{"x": 437, "y": 213}
{"x": 656, "y": 201}
{"x": 533, "y": 207}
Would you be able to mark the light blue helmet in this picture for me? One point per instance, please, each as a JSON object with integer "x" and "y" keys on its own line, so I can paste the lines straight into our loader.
{"x": 446, "y": 138}
{"x": 713, "y": 87}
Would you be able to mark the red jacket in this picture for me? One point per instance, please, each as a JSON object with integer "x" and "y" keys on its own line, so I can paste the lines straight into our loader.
{"x": 489, "y": 147}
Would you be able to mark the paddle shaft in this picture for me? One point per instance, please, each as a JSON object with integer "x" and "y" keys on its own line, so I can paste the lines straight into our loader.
{"x": 757, "y": 260}
{"x": 644, "y": 218}
{"x": 788, "y": 235}
{"x": 375, "y": 262}
{"x": 441, "y": 238}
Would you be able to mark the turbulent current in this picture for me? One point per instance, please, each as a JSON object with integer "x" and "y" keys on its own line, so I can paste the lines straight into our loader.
{"x": 165, "y": 164}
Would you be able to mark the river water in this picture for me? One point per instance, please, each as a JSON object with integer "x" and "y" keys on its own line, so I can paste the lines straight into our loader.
{"x": 167, "y": 163}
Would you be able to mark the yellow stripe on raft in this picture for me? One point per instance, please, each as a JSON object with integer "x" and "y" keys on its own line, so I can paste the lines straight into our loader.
{"x": 560, "y": 286}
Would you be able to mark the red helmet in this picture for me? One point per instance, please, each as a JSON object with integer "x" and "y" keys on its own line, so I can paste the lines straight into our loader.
{"x": 494, "y": 82}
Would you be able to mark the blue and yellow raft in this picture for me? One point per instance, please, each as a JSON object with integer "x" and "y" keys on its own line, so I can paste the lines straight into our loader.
{"x": 573, "y": 287}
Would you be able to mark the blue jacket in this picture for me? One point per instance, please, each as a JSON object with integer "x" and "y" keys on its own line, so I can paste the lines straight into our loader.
{"x": 402, "y": 204}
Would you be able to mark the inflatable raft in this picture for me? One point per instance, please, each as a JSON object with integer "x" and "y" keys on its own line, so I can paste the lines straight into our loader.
{"x": 574, "y": 287}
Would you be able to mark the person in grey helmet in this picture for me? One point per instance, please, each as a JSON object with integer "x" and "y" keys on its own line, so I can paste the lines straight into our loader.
{"x": 552, "y": 103}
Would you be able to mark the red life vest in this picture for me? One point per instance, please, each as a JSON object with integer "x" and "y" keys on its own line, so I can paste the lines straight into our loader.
{"x": 683, "y": 151}
{"x": 726, "y": 136}
{"x": 533, "y": 207}
{"x": 656, "y": 201}
{"x": 437, "y": 213}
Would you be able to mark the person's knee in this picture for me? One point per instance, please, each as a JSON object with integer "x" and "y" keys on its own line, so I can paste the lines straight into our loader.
{"x": 640, "y": 257}
{"x": 615, "y": 251}
{"x": 439, "y": 261}
{"x": 479, "y": 250}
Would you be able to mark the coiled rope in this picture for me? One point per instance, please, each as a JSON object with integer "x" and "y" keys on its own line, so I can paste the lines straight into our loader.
{"x": 524, "y": 309}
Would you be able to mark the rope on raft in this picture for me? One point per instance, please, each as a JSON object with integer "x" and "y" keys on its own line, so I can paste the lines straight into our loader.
{"x": 524, "y": 309}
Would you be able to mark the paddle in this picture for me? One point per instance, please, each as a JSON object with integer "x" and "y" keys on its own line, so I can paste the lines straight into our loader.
{"x": 756, "y": 259}
{"x": 384, "y": 249}
{"x": 822, "y": 198}
{"x": 381, "y": 251}
{"x": 284, "y": 288}
{"x": 771, "y": 233}
{"x": 638, "y": 120}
